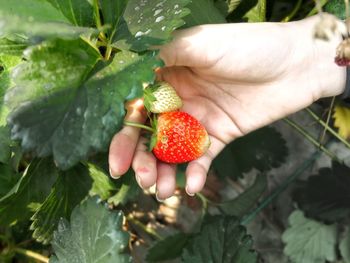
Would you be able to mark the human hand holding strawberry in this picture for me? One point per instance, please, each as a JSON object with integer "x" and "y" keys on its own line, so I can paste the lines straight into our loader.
{"x": 233, "y": 78}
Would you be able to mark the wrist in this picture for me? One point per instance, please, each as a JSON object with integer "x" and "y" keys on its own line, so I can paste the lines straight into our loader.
{"x": 326, "y": 78}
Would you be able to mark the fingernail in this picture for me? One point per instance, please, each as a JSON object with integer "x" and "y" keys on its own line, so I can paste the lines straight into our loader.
{"x": 113, "y": 175}
{"x": 138, "y": 179}
{"x": 188, "y": 192}
{"x": 159, "y": 199}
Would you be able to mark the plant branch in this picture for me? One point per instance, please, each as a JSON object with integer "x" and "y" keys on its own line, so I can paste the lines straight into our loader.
{"x": 31, "y": 254}
{"x": 333, "y": 132}
{"x": 138, "y": 125}
{"x": 98, "y": 19}
{"x": 294, "y": 11}
{"x": 311, "y": 139}
{"x": 290, "y": 179}
{"x": 328, "y": 119}
{"x": 145, "y": 228}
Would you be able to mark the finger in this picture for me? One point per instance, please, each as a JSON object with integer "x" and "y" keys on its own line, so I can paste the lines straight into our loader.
{"x": 166, "y": 180}
{"x": 122, "y": 147}
{"x": 197, "y": 170}
{"x": 144, "y": 165}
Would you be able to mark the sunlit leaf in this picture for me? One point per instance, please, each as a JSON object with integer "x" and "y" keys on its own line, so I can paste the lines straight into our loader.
{"x": 149, "y": 23}
{"x": 94, "y": 235}
{"x": 342, "y": 120}
{"x": 308, "y": 240}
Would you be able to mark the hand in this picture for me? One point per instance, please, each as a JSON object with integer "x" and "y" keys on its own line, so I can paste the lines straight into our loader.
{"x": 234, "y": 78}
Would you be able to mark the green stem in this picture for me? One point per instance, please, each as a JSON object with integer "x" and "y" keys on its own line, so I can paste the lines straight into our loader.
{"x": 204, "y": 202}
{"x": 31, "y": 254}
{"x": 266, "y": 201}
{"x": 311, "y": 139}
{"x": 333, "y": 132}
{"x": 294, "y": 11}
{"x": 347, "y": 9}
{"x": 108, "y": 51}
{"x": 97, "y": 14}
{"x": 147, "y": 229}
{"x": 138, "y": 125}
{"x": 328, "y": 119}
{"x": 98, "y": 20}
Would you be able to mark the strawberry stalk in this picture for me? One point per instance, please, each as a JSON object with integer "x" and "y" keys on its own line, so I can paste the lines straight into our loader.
{"x": 139, "y": 125}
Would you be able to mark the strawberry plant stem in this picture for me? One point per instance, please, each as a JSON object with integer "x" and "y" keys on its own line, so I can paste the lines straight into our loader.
{"x": 138, "y": 125}
{"x": 294, "y": 11}
{"x": 31, "y": 254}
{"x": 311, "y": 139}
{"x": 268, "y": 200}
{"x": 328, "y": 119}
{"x": 98, "y": 20}
{"x": 148, "y": 230}
{"x": 325, "y": 125}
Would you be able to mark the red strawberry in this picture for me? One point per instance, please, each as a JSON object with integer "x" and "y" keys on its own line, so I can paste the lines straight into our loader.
{"x": 179, "y": 138}
{"x": 343, "y": 53}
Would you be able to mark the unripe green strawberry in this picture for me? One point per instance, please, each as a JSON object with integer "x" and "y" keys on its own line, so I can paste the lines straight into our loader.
{"x": 161, "y": 98}
{"x": 179, "y": 138}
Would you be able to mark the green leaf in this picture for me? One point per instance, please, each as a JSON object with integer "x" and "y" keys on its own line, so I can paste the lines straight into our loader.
{"x": 128, "y": 189}
{"x": 102, "y": 184}
{"x": 232, "y": 5}
{"x": 344, "y": 246}
{"x": 72, "y": 123}
{"x": 7, "y": 62}
{"x": 78, "y": 12}
{"x": 112, "y": 12}
{"x": 5, "y": 142}
{"x": 203, "y": 12}
{"x": 8, "y": 179}
{"x": 244, "y": 202}
{"x": 33, "y": 187}
{"x": 262, "y": 149}
{"x": 308, "y": 240}
{"x": 326, "y": 196}
{"x": 244, "y": 10}
{"x": 12, "y": 47}
{"x": 169, "y": 248}
{"x": 94, "y": 235}
{"x": 258, "y": 13}
{"x": 145, "y": 25}
{"x": 69, "y": 190}
{"x": 36, "y": 18}
{"x": 51, "y": 67}
{"x": 336, "y": 7}
{"x": 221, "y": 239}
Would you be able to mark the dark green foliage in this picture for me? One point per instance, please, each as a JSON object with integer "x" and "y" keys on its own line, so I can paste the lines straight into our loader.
{"x": 326, "y": 196}
{"x": 245, "y": 201}
{"x": 221, "y": 239}
{"x": 262, "y": 149}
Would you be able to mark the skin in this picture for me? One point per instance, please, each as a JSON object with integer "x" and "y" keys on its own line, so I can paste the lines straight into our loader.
{"x": 234, "y": 78}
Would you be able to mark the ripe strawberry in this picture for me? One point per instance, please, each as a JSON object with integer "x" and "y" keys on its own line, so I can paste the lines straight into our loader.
{"x": 343, "y": 53}
{"x": 161, "y": 98}
{"x": 179, "y": 138}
